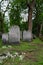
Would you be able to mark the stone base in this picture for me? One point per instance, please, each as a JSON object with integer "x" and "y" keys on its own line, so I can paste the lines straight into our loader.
{"x": 4, "y": 42}
{"x": 27, "y": 40}
{"x": 14, "y": 43}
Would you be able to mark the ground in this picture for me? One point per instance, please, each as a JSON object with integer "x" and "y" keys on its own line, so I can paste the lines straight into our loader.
{"x": 33, "y": 53}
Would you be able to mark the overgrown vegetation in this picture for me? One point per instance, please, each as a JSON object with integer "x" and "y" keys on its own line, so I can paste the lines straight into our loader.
{"x": 15, "y": 8}
{"x": 33, "y": 50}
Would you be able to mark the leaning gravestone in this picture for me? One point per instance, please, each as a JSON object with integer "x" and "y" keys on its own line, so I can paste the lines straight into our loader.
{"x": 14, "y": 34}
{"x": 5, "y": 38}
{"x": 27, "y": 36}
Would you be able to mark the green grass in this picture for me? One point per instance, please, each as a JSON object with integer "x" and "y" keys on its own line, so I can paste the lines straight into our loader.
{"x": 1, "y": 43}
{"x": 37, "y": 41}
{"x": 35, "y": 47}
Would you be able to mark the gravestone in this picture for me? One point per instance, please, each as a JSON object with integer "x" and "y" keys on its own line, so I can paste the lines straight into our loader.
{"x": 14, "y": 34}
{"x": 27, "y": 36}
{"x": 5, "y": 38}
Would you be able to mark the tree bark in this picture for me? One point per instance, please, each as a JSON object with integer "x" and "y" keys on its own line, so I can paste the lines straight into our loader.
{"x": 30, "y": 10}
{"x": 40, "y": 34}
{"x": 30, "y": 19}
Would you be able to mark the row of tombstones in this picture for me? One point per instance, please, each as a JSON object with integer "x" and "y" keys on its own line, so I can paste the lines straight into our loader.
{"x": 15, "y": 35}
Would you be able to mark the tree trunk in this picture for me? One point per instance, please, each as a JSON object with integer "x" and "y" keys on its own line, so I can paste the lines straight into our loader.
{"x": 30, "y": 19}
{"x": 30, "y": 10}
{"x": 40, "y": 34}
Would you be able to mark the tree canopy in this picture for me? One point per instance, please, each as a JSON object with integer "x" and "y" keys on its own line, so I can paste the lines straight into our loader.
{"x": 35, "y": 14}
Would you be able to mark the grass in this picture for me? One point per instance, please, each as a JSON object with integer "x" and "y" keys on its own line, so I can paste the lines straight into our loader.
{"x": 33, "y": 49}
{"x": 1, "y": 43}
{"x": 37, "y": 41}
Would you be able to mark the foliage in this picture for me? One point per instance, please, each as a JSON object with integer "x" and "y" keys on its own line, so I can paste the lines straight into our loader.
{"x": 17, "y": 7}
{"x": 38, "y": 17}
{"x": 15, "y": 14}
{"x": 5, "y": 27}
{"x": 24, "y": 26}
{"x": 1, "y": 22}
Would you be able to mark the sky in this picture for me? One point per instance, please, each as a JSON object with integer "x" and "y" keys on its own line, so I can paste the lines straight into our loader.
{"x": 3, "y": 7}
{"x": 0, "y": 0}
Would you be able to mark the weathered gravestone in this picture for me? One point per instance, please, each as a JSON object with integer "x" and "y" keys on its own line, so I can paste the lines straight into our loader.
{"x": 14, "y": 34}
{"x": 5, "y": 38}
{"x": 27, "y": 36}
